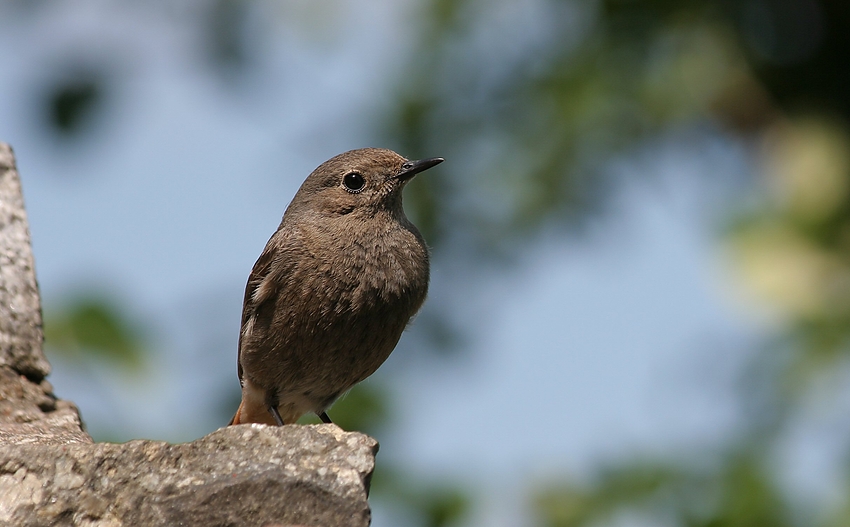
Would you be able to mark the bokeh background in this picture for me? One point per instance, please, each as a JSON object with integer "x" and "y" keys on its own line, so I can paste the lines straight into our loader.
{"x": 640, "y": 300}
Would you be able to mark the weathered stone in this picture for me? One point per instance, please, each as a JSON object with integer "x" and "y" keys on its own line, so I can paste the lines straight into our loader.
{"x": 20, "y": 308}
{"x": 51, "y": 473}
{"x": 240, "y": 475}
{"x": 29, "y": 412}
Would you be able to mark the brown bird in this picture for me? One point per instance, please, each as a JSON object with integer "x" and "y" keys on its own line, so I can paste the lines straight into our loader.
{"x": 334, "y": 288}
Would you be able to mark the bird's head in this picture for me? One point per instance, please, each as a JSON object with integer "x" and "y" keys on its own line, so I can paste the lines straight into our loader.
{"x": 362, "y": 181}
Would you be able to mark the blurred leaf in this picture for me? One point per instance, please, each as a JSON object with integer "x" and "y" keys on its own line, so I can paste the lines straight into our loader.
{"x": 364, "y": 409}
{"x": 441, "y": 335}
{"x": 94, "y": 327}
{"x": 424, "y": 205}
{"x": 735, "y": 491}
{"x": 793, "y": 248}
{"x": 226, "y": 34}
{"x": 750, "y": 497}
{"x": 71, "y": 103}
{"x": 524, "y": 136}
{"x": 434, "y": 504}
{"x": 443, "y": 506}
{"x": 568, "y": 505}
{"x": 563, "y": 505}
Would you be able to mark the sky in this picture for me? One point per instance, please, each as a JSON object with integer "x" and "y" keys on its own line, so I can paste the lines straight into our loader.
{"x": 631, "y": 339}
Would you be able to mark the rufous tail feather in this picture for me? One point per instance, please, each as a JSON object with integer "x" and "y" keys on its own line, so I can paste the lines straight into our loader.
{"x": 236, "y": 420}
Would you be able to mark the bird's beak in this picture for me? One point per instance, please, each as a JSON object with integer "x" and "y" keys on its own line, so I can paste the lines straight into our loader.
{"x": 411, "y": 168}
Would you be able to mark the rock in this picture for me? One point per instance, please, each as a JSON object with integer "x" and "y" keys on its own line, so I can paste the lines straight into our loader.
{"x": 20, "y": 308}
{"x": 240, "y": 475}
{"x": 29, "y": 412}
{"x": 52, "y": 473}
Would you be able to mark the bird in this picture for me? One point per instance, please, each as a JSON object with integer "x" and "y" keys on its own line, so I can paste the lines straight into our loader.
{"x": 334, "y": 288}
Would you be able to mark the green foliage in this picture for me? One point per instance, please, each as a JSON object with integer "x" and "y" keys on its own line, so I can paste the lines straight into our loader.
{"x": 740, "y": 492}
{"x": 94, "y": 327}
{"x": 793, "y": 246}
{"x": 568, "y": 505}
{"x": 364, "y": 408}
{"x": 525, "y": 134}
{"x": 431, "y": 504}
{"x": 71, "y": 103}
{"x": 226, "y": 34}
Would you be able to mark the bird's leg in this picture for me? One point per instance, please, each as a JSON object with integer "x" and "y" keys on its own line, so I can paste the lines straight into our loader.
{"x": 275, "y": 414}
{"x": 324, "y": 417}
{"x": 272, "y": 401}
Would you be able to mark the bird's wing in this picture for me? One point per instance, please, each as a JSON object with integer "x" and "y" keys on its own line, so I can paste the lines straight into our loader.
{"x": 252, "y": 300}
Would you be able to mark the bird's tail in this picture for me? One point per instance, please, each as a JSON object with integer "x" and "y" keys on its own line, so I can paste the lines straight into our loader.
{"x": 237, "y": 417}
{"x": 255, "y": 409}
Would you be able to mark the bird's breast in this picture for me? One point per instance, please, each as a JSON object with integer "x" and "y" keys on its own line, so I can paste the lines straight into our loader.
{"x": 369, "y": 265}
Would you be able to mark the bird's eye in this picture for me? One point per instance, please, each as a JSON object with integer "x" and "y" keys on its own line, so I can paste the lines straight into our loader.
{"x": 353, "y": 182}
